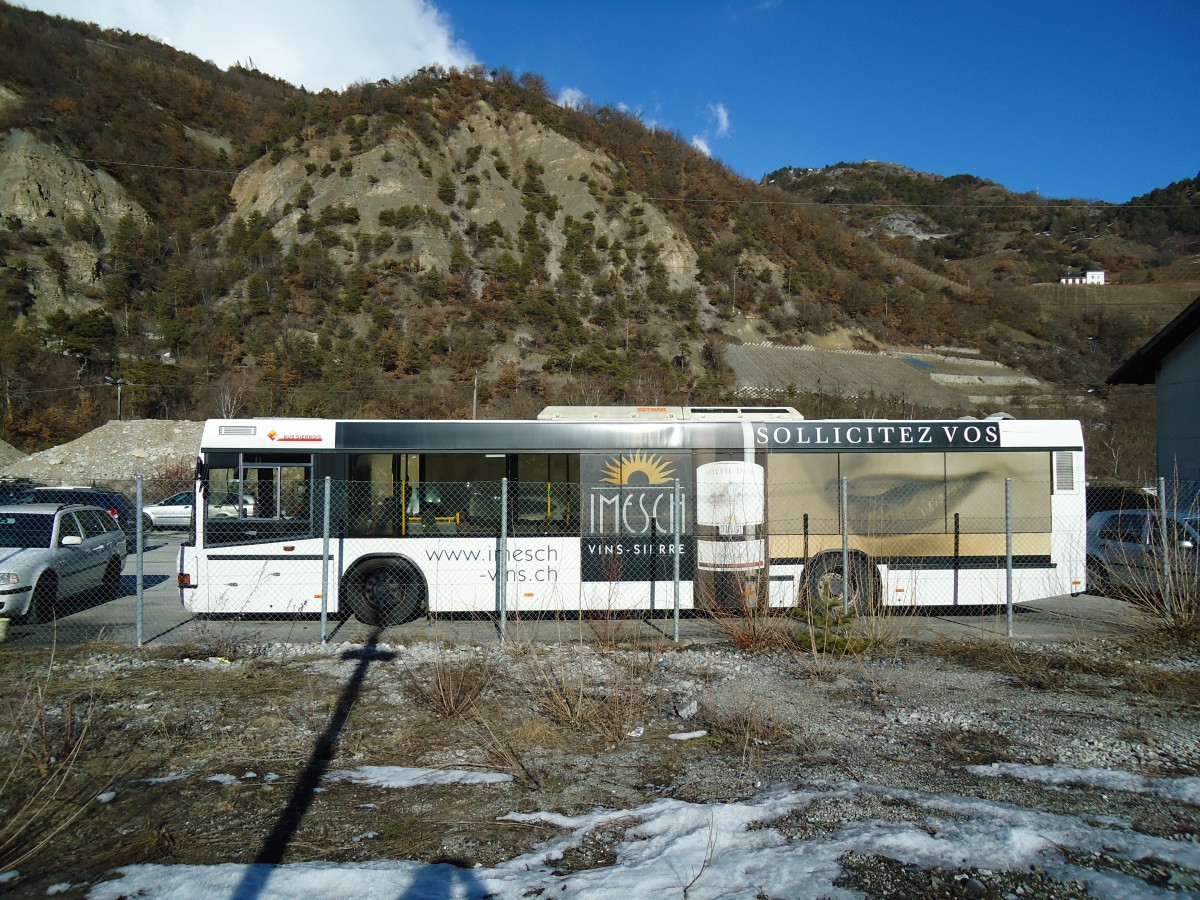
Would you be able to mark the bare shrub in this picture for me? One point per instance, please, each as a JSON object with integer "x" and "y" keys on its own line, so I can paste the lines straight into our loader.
{"x": 750, "y": 623}
{"x": 449, "y": 687}
{"x": 609, "y": 699}
{"x": 213, "y": 640}
{"x": 502, "y": 750}
{"x": 167, "y": 478}
{"x": 744, "y": 727}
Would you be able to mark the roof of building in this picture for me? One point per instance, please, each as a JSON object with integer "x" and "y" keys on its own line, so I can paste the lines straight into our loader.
{"x": 1142, "y": 367}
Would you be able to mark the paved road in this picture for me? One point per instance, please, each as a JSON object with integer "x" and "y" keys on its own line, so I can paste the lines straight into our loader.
{"x": 165, "y": 621}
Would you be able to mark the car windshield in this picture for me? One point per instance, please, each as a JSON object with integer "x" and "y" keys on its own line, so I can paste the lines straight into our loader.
{"x": 25, "y": 530}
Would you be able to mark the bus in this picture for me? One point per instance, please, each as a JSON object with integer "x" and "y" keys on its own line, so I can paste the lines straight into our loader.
{"x": 631, "y": 508}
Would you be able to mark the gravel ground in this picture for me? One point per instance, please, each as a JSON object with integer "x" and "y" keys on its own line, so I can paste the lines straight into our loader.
{"x": 961, "y": 720}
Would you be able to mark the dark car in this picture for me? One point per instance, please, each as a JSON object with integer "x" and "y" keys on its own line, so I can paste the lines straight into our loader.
{"x": 117, "y": 505}
{"x": 13, "y": 488}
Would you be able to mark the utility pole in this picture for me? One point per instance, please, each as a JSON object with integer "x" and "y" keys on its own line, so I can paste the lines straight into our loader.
{"x": 117, "y": 383}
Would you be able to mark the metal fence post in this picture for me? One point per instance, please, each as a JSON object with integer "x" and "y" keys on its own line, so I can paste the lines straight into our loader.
{"x": 325, "y": 567}
{"x": 502, "y": 561}
{"x": 676, "y": 515}
{"x": 845, "y": 526}
{"x": 1008, "y": 551}
{"x": 1168, "y": 595}
{"x": 140, "y": 566}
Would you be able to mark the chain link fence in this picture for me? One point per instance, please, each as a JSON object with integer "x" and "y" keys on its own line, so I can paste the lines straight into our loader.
{"x": 306, "y": 559}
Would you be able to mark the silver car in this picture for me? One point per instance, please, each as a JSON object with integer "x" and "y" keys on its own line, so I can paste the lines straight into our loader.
{"x": 176, "y": 511}
{"x": 1137, "y": 552}
{"x": 50, "y": 551}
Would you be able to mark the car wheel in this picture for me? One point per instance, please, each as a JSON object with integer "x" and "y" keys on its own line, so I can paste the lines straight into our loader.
{"x": 1098, "y": 582}
{"x": 147, "y": 524}
{"x": 43, "y": 606}
{"x": 112, "y": 578}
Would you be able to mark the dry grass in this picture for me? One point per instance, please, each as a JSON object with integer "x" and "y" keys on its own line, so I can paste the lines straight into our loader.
{"x": 503, "y": 750}
{"x": 1038, "y": 669}
{"x": 1180, "y": 687}
{"x": 746, "y": 729}
{"x": 969, "y": 746}
{"x": 44, "y": 791}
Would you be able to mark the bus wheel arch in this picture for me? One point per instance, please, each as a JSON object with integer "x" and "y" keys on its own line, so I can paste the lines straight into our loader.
{"x": 822, "y": 582}
{"x": 385, "y": 590}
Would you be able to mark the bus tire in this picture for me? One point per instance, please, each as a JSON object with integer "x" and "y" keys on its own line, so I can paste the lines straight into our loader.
{"x": 387, "y": 592}
{"x": 824, "y": 585}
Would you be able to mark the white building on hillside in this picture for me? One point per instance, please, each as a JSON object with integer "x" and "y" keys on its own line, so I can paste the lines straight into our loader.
{"x": 1092, "y": 276}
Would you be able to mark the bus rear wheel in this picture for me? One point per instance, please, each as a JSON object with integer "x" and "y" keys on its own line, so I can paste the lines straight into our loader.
{"x": 825, "y": 585}
{"x": 390, "y": 592}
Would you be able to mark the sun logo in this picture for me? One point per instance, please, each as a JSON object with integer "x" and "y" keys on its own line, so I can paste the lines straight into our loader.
{"x": 272, "y": 433}
{"x": 638, "y": 468}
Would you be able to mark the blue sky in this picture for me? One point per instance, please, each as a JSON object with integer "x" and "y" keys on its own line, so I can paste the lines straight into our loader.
{"x": 1097, "y": 100}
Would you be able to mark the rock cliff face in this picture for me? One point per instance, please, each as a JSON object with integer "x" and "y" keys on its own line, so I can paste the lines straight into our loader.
{"x": 42, "y": 188}
{"x": 484, "y": 161}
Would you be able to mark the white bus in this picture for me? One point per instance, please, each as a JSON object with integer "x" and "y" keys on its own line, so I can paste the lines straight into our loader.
{"x": 582, "y": 503}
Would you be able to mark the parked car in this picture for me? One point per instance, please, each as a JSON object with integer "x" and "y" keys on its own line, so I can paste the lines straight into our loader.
{"x": 52, "y": 551}
{"x": 1127, "y": 553}
{"x": 13, "y": 488}
{"x": 171, "y": 512}
{"x": 117, "y": 505}
{"x": 224, "y": 505}
{"x": 176, "y": 511}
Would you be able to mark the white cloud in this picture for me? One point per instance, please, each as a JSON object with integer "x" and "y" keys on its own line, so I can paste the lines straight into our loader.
{"x": 306, "y": 42}
{"x": 720, "y": 115}
{"x": 702, "y": 145}
{"x": 572, "y": 98}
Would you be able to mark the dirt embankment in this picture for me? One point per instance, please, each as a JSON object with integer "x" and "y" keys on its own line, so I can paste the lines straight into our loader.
{"x": 116, "y": 452}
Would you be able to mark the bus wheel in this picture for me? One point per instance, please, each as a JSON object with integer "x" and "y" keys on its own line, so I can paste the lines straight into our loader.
{"x": 390, "y": 593}
{"x": 825, "y": 586}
